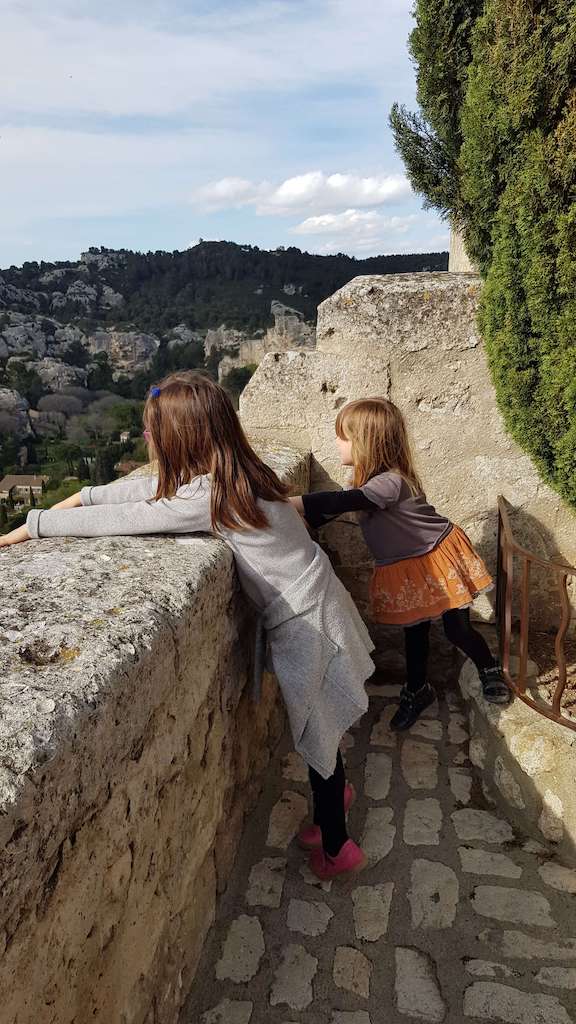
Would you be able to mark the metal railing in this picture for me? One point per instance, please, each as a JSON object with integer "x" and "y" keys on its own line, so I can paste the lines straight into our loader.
{"x": 508, "y": 548}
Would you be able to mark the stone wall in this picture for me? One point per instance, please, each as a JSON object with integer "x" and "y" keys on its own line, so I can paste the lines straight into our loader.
{"x": 526, "y": 766}
{"x": 458, "y": 259}
{"x": 413, "y": 338}
{"x": 130, "y": 750}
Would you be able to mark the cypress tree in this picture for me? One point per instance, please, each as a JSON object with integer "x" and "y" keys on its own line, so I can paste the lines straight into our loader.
{"x": 430, "y": 141}
{"x": 507, "y": 135}
{"x": 518, "y": 175}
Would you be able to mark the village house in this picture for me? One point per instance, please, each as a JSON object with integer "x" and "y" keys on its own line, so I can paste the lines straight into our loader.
{"x": 18, "y": 488}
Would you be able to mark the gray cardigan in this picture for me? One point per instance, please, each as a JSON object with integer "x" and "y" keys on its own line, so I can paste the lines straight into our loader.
{"x": 318, "y": 644}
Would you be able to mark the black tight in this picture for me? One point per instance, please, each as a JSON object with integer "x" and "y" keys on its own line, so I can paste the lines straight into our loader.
{"x": 459, "y": 632}
{"x": 329, "y": 814}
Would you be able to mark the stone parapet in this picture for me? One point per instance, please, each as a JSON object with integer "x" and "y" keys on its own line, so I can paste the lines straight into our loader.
{"x": 414, "y": 339}
{"x": 526, "y": 766}
{"x": 459, "y": 261}
{"x": 130, "y": 750}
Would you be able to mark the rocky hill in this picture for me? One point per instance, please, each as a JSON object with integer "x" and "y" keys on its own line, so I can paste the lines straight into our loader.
{"x": 115, "y": 318}
{"x": 211, "y": 284}
{"x": 75, "y": 337}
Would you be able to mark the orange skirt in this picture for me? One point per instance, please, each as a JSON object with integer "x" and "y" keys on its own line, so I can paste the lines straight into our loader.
{"x": 418, "y": 589}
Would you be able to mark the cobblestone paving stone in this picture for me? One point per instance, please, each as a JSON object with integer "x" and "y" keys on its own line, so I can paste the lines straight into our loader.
{"x": 455, "y": 919}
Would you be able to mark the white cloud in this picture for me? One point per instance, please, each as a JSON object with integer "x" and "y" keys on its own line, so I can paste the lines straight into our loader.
{"x": 229, "y": 193}
{"x": 363, "y": 223}
{"x": 368, "y": 232}
{"x": 313, "y": 190}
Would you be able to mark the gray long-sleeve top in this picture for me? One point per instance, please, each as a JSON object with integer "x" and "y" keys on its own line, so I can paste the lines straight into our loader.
{"x": 268, "y": 561}
{"x": 319, "y": 646}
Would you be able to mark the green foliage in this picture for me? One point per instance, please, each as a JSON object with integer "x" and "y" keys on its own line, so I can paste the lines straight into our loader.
{"x": 515, "y": 198}
{"x": 26, "y": 382}
{"x": 76, "y": 354}
{"x": 100, "y": 374}
{"x": 429, "y": 142}
{"x": 102, "y": 469}
{"x": 62, "y": 454}
{"x": 519, "y": 181}
{"x": 104, "y": 420}
{"x": 236, "y": 380}
{"x": 64, "y": 490}
{"x": 430, "y": 171}
{"x": 9, "y": 447}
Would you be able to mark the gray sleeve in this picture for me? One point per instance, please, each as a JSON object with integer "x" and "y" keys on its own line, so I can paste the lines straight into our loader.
{"x": 174, "y": 515}
{"x": 135, "y": 488}
{"x": 383, "y": 490}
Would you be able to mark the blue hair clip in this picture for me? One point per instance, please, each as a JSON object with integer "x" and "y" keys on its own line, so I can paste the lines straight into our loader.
{"x": 154, "y": 392}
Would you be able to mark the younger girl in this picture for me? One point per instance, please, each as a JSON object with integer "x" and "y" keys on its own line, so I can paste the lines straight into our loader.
{"x": 210, "y": 480}
{"x": 425, "y": 567}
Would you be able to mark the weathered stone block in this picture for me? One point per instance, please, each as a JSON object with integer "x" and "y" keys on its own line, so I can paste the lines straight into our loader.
{"x": 130, "y": 750}
{"x": 526, "y": 764}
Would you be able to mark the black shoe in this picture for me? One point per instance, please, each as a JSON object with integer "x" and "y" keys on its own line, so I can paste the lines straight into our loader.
{"x": 412, "y": 704}
{"x": 495, "y": 689}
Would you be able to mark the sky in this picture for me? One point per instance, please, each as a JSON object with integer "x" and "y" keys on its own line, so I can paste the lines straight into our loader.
{"x": 149, "y": 124}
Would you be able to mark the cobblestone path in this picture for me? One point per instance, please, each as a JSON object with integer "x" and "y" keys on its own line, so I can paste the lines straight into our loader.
{"x": 456, "y": 918}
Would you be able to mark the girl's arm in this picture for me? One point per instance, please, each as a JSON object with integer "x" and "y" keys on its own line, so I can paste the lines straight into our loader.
{"x": 175, "y": 515}
{"x": 320, "y": 507}
{"x": 74, "y": 501}
{"x": 17, "y": 536}
{"x": 134, "y": 488}
{"x": 60, "y": 523}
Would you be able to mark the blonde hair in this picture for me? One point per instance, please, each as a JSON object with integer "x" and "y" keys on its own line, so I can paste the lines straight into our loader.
{"x": 195, "y": 430}
{"x": 377, "y": 431}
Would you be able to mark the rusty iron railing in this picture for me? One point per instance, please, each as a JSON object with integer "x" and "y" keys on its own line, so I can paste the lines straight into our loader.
{"x": 508, "y": 548}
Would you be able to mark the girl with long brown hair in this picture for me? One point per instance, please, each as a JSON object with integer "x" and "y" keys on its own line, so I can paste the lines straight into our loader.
{"x": 210, "y": 480}
{"x": 425, "y": 567}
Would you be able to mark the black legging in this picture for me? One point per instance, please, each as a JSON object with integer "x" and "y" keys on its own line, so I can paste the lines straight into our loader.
{"x": 329, "y": 814}
{"x": 459, "y": 632}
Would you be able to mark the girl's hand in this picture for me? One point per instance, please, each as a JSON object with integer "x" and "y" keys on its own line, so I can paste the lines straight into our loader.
{"x": 297, "y": 503}
{"x": 15, "y": 537}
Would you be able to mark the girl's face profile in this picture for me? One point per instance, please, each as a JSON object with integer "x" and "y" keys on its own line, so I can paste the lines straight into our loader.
{"x": 345, "y": 451}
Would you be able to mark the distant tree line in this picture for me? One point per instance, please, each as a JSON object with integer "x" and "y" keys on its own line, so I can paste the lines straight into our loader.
{"x": 214, "y": 283}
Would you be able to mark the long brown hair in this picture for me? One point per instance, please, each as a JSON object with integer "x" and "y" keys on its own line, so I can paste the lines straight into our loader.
{"x": 380, "y": 444}
{"x": 195, "y": 430}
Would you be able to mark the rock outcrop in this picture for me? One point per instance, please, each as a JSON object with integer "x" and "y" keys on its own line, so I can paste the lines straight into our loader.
{"x": 56, "y": 375}
{"x": 290, "y": 331}
{"x": 14, "y": 416}
{"x": 10, "y": 295}
{"x": 24, "y": 336}
{"x": 127, "y": 350}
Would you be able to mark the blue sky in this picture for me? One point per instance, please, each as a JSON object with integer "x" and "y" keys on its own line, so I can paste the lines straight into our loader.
{"x": 151, "y": 124}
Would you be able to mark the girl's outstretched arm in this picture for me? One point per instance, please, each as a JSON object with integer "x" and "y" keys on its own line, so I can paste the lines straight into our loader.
{"x": 133, "y": 488}
{"x": 189, "y": 512}
{"x": 319, "y": 507}
{"x": 22, "y": 533}
{"x": 17, "y": 536}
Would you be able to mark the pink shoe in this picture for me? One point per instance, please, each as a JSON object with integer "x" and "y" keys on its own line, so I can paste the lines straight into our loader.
{"x": 310, "y": 838}
{"x": 350, "y": 860}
